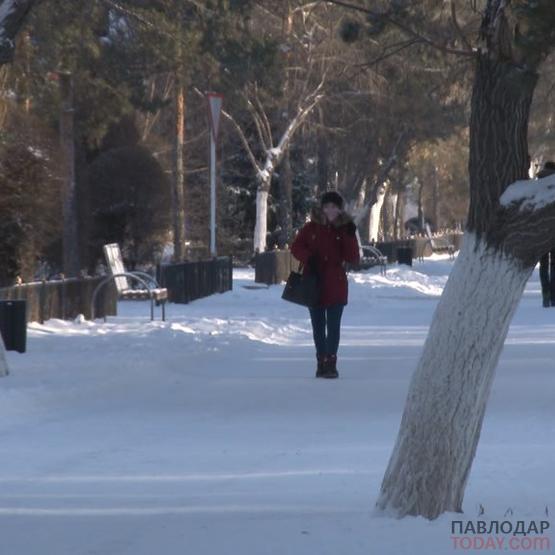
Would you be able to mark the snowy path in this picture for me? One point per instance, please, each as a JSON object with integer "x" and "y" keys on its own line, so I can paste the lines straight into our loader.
{"x": 208, "y": 434}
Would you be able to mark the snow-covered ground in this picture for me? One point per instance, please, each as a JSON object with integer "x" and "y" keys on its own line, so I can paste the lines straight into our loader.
{"x": 208, "y": 434}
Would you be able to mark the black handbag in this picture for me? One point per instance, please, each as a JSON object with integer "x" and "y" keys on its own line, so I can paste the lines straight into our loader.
{"x": 302, "y": 289}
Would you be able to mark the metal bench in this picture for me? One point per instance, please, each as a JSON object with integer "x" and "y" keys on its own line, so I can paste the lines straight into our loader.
{"x": 150, "y": 288}
{"x": 442, "y": 245}
{"x": 372, "y": 256}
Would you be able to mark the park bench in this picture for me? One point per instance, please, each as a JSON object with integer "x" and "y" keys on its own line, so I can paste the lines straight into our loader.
{"x": 442, "y": 245}
{"x": 117, "y": 273}
{"x": 372, "y": 256}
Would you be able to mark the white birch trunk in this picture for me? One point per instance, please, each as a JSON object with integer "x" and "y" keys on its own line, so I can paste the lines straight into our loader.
{"x": 448, "y": 392}
{"x": 392, "y": 212}
{"x": 359, "y": 204}
{"x": 400, "y": 216}
{"x": 261, "y": 225}
{"x": 374, "y": 218}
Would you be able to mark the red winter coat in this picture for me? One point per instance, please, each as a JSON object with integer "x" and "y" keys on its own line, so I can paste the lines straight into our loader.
{"x": 333, "y": 246}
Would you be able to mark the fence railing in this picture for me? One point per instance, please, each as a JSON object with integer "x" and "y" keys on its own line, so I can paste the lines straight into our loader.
{"x": 274, "y": 266}
{"x": 64, "y": 299}
{"x": 421, "y": 246}
{"x": 188, "y": 281}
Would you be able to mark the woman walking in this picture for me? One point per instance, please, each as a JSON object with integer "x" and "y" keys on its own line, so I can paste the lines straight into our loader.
{"x": 323, "y": 245}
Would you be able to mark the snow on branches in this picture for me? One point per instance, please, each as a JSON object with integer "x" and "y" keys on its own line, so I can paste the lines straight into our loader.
{"x": 530, "y": 194}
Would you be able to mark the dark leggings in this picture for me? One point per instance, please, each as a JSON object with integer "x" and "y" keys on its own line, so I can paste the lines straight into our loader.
{"x": 326, "y": 317}
{"x": 547, "y": 275}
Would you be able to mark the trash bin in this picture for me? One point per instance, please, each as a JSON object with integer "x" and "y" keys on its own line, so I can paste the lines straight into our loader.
{"x": 387, "y": 250}
{"x": 404, "y": 255}
{"x": 13, "y": 324}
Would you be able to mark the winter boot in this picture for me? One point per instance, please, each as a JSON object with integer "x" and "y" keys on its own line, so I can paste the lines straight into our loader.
{"x": 320, "y": 369}
{"x": 330, "y": 367}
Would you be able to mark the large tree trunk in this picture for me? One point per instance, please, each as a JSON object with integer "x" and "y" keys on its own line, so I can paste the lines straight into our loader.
{"x": 387, "y": 214}
{"x": 285, "y": 207}
{"x": 399, "y": 229}
{"x": 374, "y": 217}
{"x": 447, "y": 396}
{"x": 71, "y": 263}
{"x": 179, "y": 174}
{"x": 391, "y": 214}
{"x": 12, "y": 16}
{"x": 261, "y": 224}
{"x": 435, "y": 199}
{"x": 421, "y": 217}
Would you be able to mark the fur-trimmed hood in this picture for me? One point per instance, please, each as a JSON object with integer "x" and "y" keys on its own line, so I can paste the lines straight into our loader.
{"x": 317, "y": 215}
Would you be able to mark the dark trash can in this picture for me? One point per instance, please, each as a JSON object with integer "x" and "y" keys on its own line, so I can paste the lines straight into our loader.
{"x": 404, "y": 255}
{"x": 13, "y": 324}
{"x": 387, "y": 250}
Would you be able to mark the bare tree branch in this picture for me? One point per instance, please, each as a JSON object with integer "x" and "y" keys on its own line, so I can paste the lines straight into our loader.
{"x": 387, "y": 167}
{"x": 266, "y": 143}
{"x": 242, "y": 136}
{"x": 268, "y": 127}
